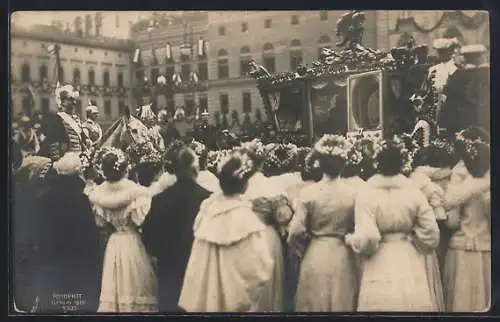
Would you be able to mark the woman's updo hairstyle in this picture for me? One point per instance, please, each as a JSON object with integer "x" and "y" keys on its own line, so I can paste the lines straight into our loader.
{"x": 477, "y": 158}
{"x": 332, "y": 150}
{"x": 390, "y": 161}
{"x": 114, "y": 165}
{"x": 235, "y": 172}
{"x": 441, "y": 154}
{"x": 185, "y": 163}
{"x": 171, "y": 155}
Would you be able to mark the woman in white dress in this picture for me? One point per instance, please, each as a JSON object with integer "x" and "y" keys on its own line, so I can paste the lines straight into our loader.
{"x": 394, "y": 227}
{"x": 270, "y": 203}
{"x": 129, "y": 283}
{"x": 231, "y": 246}
{"x": 467, "y": 273}
{"x": 326, "y": 212}
{"x": 435, "y": 197}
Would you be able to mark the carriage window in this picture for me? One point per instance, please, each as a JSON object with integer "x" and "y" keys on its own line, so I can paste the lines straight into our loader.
{"x": 288, "y": 103}
{"x": 365, "y": 109}
{"x": 107, "y": 108}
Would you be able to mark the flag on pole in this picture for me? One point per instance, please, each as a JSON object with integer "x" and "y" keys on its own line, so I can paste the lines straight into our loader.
{"x": 169, "y": 51}
{"x": 136, "y": 55}
{"x": 201, "y": 47}
{"x": 51, "y": 49}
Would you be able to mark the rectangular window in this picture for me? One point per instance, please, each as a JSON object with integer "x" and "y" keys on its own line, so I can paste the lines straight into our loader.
{"x": 270, "y": 64}
{"x": 121, "y": 106}
{"x": 189, "y": 105}
{"x": 27, "y": 105}
{"x": 45, "y": 105}
{"x": 171, "y": 105}
{"x": 247, "y": 102}
{"x": 268, "y": 23}
{"x": 185, "y": 70}
{"x": 222, "y": 31}
{"x": 203, "y": 71}
{"x": 155, "y": 72}
{"x": 244, "y": 27}
{"x": 170, "y": 73}
{"x": 107, "y": 108}
{"x": 323, "y": 15}
{"x": 119, "y": 79}
{"x": 223, "y": 68}
{"x": 295, "y": 59}
{"x": 203, "y": 101}
{"x": 244, "y": 68}
{"x": 139, "y": 76}
{"x": 224, "y": 103}
{"x": 295, "y": 20}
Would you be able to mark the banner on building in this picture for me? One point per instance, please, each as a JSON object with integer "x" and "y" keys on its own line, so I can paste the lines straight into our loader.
{"x": 169, "y": 51}
{"x": 137, "y": 53}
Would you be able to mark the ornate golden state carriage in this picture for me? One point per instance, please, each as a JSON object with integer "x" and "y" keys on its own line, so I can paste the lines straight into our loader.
{"x": 355, "y": 88}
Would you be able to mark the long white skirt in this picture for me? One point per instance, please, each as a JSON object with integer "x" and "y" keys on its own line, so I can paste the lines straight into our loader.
{"x": 394, "y": 279}
{"x": 129, "y": 282}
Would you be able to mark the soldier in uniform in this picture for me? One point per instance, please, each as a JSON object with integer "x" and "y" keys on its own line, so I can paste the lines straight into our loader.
{"x": 205, "y": 132}
{"x": 437, "y": 80}
{"x": 91, "y": 127}
{"x": 150, "y": 120}
{"x": 64, "y": 129}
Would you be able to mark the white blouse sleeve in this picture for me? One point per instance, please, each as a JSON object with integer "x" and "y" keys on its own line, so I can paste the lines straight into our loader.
{"x": 425, "y": 230}
{"x": 139, "y": 209}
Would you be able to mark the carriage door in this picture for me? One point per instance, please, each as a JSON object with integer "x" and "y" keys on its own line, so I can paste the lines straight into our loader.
{"x": 364, "y": 102}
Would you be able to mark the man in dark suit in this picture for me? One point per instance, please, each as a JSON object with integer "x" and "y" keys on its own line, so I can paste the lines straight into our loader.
{"x": 167, "y": 232}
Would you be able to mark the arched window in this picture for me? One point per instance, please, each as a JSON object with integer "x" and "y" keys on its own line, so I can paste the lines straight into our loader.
{"x": 119, "y": 79}
{"x": 25, "y": 73}
{"x": 105, "y": 78}
{"x": 76, "y": 76}
{"x": 404, "y": 39}
{"x": 44, "y": 73}
{"x": 295, "y": 43}
{"x": 453, "y": 32}
{"x": 222, "y": 52}
{"x": 324, "y": 39}
{"x": 268, "y": 58}
{"x": 268, "y": 47}
{"x": 245, "y": 50}
{"x": 91, "y": 77}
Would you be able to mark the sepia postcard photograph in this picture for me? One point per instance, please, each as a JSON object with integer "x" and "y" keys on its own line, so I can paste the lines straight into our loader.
{"x": 249, "y": 161}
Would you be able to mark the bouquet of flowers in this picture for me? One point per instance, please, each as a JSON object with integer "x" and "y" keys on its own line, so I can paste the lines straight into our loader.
{"x": 144, "y": 153}
{"x": 281, "y": 156}
{"x": 332, "y": 145}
